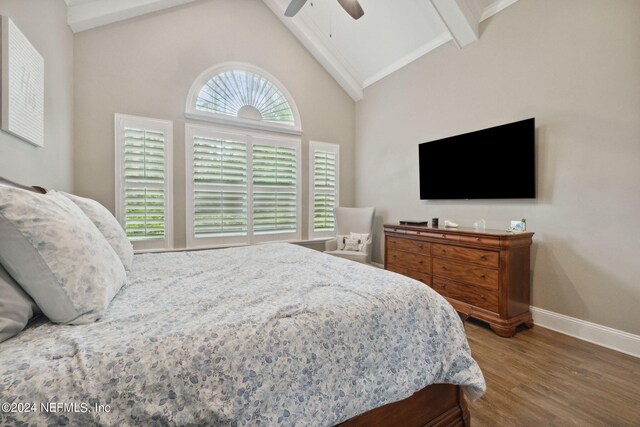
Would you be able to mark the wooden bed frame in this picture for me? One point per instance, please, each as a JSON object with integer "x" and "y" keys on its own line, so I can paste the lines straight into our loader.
{"x": 6, "y": 183}
{"x": 437, "y": 405}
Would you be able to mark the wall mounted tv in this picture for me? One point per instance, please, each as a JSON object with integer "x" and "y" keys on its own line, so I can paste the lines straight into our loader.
{"x": 493, "y": 163}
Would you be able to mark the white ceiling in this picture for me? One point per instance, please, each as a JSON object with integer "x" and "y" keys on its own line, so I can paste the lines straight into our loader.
{"x": 390, "y": 35}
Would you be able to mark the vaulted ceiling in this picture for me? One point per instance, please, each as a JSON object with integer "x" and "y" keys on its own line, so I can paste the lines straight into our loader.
{"x": 390, "y": 35}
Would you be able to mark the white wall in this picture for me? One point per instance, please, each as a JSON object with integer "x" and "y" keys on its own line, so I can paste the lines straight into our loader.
{"x": 44, "y": 23}
{"x": 145, "y": 66}
{"x": 574, "y": 65}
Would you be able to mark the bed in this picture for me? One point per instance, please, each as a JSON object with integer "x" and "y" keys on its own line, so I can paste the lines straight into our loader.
{"x": 272, "y": 334}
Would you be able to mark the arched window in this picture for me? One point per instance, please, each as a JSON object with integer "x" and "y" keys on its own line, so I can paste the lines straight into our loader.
{"x": 242, "y": 95}
{"x": 243, "y": 186}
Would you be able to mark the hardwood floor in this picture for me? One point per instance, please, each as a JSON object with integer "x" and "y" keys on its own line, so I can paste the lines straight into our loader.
{"x": 543, "y": 378}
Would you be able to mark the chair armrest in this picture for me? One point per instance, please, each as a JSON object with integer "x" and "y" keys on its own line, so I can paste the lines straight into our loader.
{"x": 367, "y": 250}
{"x": 331, "y": 245}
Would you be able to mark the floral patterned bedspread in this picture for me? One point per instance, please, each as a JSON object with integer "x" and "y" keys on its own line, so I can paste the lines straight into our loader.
{"x": 272, "y": 334}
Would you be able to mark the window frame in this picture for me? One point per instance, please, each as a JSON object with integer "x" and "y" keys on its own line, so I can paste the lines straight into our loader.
{"x": 331, "y": 148}
{"x": 250, "y": 138}
{"x": 121, "y": 122}
{"x": 221, "y": 119}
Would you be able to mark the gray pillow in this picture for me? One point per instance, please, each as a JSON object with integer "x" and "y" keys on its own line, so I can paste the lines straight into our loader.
{"x": 108, "y": 226}
{"x": 16, "y": 307}
{"x": 57, "y": 255}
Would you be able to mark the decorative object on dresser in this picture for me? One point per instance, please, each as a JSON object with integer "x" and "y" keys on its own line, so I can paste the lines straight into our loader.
{"x": 483, "y": 274}
{"x": 518, "y": 226}
{"x": 480, "y": 224}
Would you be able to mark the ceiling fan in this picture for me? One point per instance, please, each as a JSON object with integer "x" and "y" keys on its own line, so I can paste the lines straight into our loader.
{"x": 352, "y": 7}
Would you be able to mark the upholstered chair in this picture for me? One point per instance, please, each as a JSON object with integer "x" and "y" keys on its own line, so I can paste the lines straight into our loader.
{"x": 348, "y": 222}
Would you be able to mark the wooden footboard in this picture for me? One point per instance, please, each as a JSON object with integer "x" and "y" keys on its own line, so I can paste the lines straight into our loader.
{"x": 435, "y": 405}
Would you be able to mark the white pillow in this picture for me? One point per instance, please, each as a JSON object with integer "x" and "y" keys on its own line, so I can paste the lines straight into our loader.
{"x": 108, "y": 226}
{"x": 58, "y": 256}
{"x": 16, "y": 307}
{"x": 352, "y": 241}
{"x": 352, "y": 244}
{"x": 362, "y": 238}
{"x": 342, "y": 241}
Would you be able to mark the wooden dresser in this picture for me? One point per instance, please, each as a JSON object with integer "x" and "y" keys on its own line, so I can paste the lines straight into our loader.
{"x": 483, "y": 274}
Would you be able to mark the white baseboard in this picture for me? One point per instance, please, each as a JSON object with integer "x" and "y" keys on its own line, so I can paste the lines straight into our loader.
{"x": 597, "y": 334}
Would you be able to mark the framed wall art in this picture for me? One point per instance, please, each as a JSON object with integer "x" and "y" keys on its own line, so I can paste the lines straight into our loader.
{"x": 22, "y": 85}
{"x": 518, "y": 226}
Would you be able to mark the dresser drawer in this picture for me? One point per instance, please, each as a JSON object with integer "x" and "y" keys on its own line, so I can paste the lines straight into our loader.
{"x": 417, "y": 275}
{"x": 476, "y": 295}
{"x": 481, "y": 240}
{"x": 476, "y": 256}
{"x": 390, "y": 229}
{"x": 465, "y": 272}
{"x": 408, "y": 245}
{"x": 409, "y": 260}
{"x": 442, "y": 235}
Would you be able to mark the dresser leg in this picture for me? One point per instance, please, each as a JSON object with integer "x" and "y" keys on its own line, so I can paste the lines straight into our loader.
{"x": 529, "y": 324}
{"x": 503, "y": 331}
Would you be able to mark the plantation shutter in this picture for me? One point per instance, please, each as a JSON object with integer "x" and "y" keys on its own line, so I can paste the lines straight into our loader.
{"x": 220, "y": 187}
{"x": 144, "y": 166}
{"x": 241, "y": 187}
{"x": 324, "y": 181}
{"x": 275, "y": 206}
{"x": 143, "y": 158}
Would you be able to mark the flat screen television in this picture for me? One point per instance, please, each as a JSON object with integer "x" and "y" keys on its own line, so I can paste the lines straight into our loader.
{"x": 493, "y": 163}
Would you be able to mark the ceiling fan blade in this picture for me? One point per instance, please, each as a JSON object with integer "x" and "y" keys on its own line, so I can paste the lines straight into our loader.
{"x": 352, "y": 7}
{"x": 294, "y": 7}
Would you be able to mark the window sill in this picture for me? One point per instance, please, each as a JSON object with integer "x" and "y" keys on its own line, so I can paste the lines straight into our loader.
{"x": 205, "y": 248}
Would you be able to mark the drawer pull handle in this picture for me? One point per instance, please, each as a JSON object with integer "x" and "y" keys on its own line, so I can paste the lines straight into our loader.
{"x": 483, "y": 257}
{"x": 420, "y": 262}
{"x": 444, "y": 251}
{"x": 478, "y": 239}
{"x": 444, "y": 268}
{"x": 482, "y": 276}
{"x": 421, "y": 246}
{"x": 444, "y": 235}
{"x": 482, "y": 297}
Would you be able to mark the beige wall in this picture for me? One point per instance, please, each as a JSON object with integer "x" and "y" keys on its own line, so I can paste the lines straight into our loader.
{"x": 145, "y": 66}
{"x": 44, "y": 23}
{"x": 574, "y": 65}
